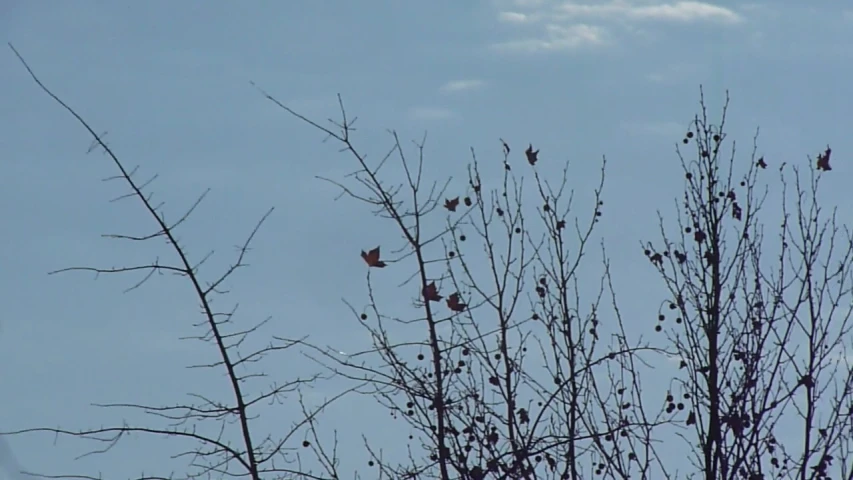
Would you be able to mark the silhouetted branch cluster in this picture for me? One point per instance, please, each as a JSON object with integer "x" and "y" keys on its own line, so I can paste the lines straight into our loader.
{"x": 233, "y": 448}
{"x": 512, "y": 360}
{"x": 493, "y": 285}
{"x": 761, "y": 326}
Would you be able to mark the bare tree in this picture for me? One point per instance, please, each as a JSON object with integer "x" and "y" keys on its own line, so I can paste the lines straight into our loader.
{"x": 761, "y": 325}
{"x": 457, "y": 367}
{"x": 223, "y": 430}
{"x": 512, "y": 361}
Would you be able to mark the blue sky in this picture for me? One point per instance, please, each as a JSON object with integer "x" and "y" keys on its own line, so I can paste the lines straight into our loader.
{"x": 169, "y": 81}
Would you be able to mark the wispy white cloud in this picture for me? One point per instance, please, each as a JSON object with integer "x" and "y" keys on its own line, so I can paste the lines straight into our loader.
{"x": 462, "y": 85}
{"x": 558, "y": 38}
{"x": 568, "y": 25}
{"x": 683, "y": 12}
{"x": 529, "y": 3}
{"x": 514, "y": 17}
{"x": 430, "y": 113}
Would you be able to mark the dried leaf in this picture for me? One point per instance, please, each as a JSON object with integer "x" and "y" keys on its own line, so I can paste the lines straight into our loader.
{"x": 371, "y": 258}
{"x": 823, "y": 160}
{"x": 431, "y": 293}
{"x": 531, "y": 155}
{"x": 455, "y": 304}
{"x": 451, "y": 204}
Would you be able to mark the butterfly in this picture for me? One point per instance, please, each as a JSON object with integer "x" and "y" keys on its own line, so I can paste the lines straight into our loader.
{"x": 371, "y": 258}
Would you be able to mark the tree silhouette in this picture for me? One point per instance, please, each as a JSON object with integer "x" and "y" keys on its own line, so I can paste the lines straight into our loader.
{"x": 761, "y": 325}
{"x": 233, "y": 448}
{"x": 462, "y": 377}
{"x": 512, "y": 360}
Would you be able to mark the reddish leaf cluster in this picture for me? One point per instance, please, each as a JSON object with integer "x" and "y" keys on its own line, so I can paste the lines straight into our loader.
{"x": 430, "y": 292}
{"x": 453, "y": 301}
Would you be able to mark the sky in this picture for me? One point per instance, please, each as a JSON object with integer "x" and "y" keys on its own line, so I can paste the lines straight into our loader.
{"x": 170, "y": 83}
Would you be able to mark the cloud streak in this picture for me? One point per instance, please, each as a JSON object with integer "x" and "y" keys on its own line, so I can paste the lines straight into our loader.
{"x": 558, "y": 38}
{"x": 514, "y": 17}
{"x": 461, "y": 86}
{"x": 680, "y": 12}
{"x": 570, "y": 25}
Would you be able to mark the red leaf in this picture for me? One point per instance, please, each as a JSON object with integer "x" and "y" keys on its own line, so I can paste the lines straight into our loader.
{"x": 823, "y": 160}
{"x": 371, "y": 258}
{"x": 454, "y": 304}
{"x": 531, "y": 155}
{"x": 431, "y": 293}
{"x": 451, "y": 204}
